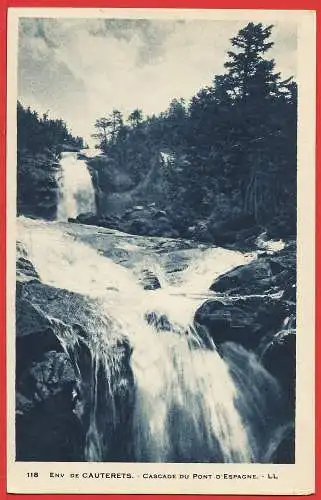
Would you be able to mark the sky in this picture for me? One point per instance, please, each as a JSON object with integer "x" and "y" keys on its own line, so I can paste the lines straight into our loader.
{"x": 81, "y": 69}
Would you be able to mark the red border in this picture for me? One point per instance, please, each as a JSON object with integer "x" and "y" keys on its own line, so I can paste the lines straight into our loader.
{"x": 205, "y": 4}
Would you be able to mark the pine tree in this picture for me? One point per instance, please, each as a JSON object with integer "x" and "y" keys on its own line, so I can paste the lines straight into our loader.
{"x": 247, "y": 70}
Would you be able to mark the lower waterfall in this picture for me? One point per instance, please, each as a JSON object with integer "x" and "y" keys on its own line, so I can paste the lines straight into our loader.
{"x": 193, "y": 402}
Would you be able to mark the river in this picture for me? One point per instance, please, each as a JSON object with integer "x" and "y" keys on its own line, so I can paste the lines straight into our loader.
{"x": 193, "y": 402}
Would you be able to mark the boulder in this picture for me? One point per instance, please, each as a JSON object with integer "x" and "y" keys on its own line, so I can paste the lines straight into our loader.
{"x": 91, "y": 219}
{"x": 149, "y": 280}
{"x": 262, "y": 275}
{"x": 244, "y": 321}
{"x": 226, "y": 322}
{"x": 149, "y": 222}
{"x": 237, "y": 231}
{"x": 140, "y": 226}
{"x": 87, "y": 218}
{"x": 159, "y": 321}
{"x": 253, "y": 278}
{"x": 158, "y": 214}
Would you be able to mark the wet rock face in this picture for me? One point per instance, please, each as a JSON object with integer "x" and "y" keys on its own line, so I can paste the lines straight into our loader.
{"x": 259, "y": 298}
{"x": 37, "y": 184}
{"x": 60, "y": 345}
{"x": 35, "y": 336}
{"x": 279, "y": 358}
{"x": 46, "y": 426}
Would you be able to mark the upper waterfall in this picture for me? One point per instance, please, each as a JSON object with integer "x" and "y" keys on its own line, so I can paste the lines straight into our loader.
{"x": 76, "y": 193}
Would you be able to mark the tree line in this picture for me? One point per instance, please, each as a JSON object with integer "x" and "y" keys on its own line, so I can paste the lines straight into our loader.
{"x": 36, "y": 133}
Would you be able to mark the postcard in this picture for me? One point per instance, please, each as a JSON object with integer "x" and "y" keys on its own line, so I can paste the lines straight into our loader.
{"x": 160, "y": 276}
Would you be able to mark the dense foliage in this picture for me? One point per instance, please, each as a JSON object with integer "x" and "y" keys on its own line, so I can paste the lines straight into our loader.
{"x": 231, "y": 149}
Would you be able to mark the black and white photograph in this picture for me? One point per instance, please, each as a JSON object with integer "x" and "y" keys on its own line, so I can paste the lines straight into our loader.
{"x": 156, "y": 241}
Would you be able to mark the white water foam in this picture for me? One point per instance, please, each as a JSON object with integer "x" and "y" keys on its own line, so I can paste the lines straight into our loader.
{"x": 188, "y": 406}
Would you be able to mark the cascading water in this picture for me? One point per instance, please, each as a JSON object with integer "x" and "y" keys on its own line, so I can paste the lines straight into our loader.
{"x": 192, "y": 403}
{"x": 77, "y": 194}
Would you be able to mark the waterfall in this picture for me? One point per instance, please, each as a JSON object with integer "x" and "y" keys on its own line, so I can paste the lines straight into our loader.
{"x": 77, "y": 193}
{"x": 192, "y": 403}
